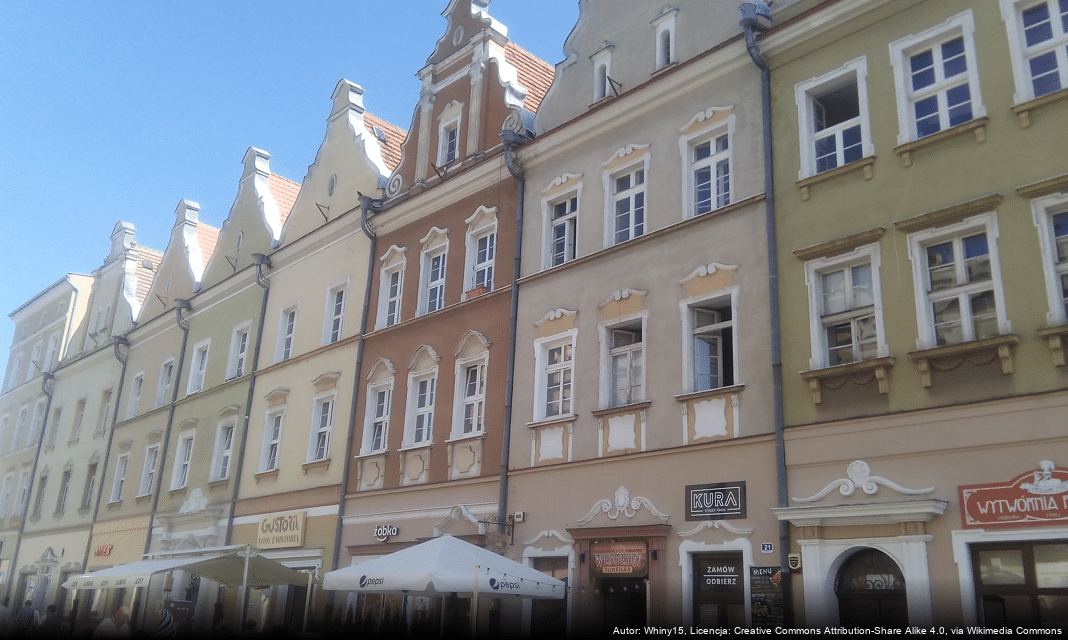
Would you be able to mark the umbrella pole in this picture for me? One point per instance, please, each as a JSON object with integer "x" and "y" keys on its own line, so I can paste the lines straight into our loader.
{"x": 307, "y": 602}
{"x": 244, "y": 594}
{"x": 474, "y": 603}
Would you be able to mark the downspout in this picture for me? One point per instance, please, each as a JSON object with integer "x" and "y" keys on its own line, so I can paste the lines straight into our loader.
{"x": 511, "y": 141}
{"x": 367, "y": 205}
{"x": 260, "y": 261}
{"x": 749, "y": 16}
{"x": 183, "y": 324}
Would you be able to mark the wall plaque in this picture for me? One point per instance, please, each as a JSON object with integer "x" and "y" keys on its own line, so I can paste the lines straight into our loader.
{"x": 281, "y": 530}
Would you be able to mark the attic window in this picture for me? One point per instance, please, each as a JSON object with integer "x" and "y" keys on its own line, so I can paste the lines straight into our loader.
{"x": 331, "y": 185}
{"x": 381, "y": 135}
{"x": 147, "y": 264}
{"x": 240, "y": 237}
{"x": 167, "y": 286}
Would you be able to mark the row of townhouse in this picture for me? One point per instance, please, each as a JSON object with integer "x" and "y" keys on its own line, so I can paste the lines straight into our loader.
{"x": 672, "y": 324}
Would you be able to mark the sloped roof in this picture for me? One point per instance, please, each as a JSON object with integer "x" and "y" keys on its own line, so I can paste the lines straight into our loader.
{"x": 145, "y": 275}
{"x": 207, "y": 237}
{"x": 285, "y": 193}
{"x": 391, "y": 148}
{"x": 534, "y": 74}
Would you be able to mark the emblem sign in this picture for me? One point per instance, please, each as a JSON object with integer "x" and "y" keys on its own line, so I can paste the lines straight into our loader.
{"x": 384, "y": 532}
{"x": 1038, "y": 497}
{"x": 717, "y": 501}
{"x": 620, "y": 559}
{"x": 281, "y": 530}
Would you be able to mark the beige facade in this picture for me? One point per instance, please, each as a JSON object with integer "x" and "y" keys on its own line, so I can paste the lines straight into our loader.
{"x": 920, "y": 257}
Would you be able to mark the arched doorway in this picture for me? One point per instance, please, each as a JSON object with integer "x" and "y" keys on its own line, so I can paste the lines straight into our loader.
{"x": 871, "y": 591}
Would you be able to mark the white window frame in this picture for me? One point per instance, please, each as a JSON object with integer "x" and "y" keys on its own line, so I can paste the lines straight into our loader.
{"x": 1020, "y": 54}
{"x": 961, "y": 25}
{"x": 606, "y": 334}
{"x": 287, "y": 334}
{"x": 198, "y": 366}
{"x": 52, "y": 351}
{"x": 17, "y": 438}
{"x": 611, "y": 197}
{"x": 805, "y": 94}
{"x": 418, "y": 409}
{"x": 148, "y": 471}
{"x": 449, "y": 120}
{"x": 602, "y": 73}
{"x": 478, "y": 268}
{"x": 688, "y": 143}
{"x": 166, "y": 379}
{"x": 137, "y": 386}
{"x": 37, "y": 422}
{"x": 917, "y": 245}
{"x": 223, "y": 452}
{"x": 105, "y": 409}
{"x": 270, "y": 452}
{"x": 462, "y": 399}
{"x": 1043, "y": 209}
{"x": 814, "y": 271}
{"x": 90, "y": 486}
{"x": 319, "y": 435}
{"x": 543, "y": 369}
{"x": 569, "y": 221}
{"x": 13, "y": 371}
{"x": 118, "y": 483}
{"x": 333, "y": 318}
{"x": 38, "y": 504}
{"x": 35, "y": 355}
{"x": 390, "y": 300}
{"x": 64, "y": 490}
{"x": 183, "y": 459}
{"x": 238, "y": 363}
{"x": 664, "y": 27}
{"x": 435, "y": 244}
{"x": 375, "y": 415}
{"x": 22, "y": 493}
{"x": 724, "y": 297}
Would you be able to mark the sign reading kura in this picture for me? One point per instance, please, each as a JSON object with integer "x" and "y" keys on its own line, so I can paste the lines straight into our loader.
{"x": 281, "y": 530}
{"x": 716, "y": 501}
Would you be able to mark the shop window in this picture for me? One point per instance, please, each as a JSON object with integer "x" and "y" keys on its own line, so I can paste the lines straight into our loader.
{"x": 1022, "y": 584}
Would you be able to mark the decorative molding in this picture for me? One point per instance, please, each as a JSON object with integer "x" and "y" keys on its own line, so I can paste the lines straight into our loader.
{"x": 976, "y": 352}
{"x": 622, "y": 294}
{"x": 230, "y": 410}
{"x": 865, "y": 165}
{"x": 429, "y": 350}
{"x": 466, "y": 340}
{"x": 862, "y": 514}
{"x": 326, "y": 381}
{"x": 716, "y": 524}
{"x": 562, "y": 183}
{"x": 859, "y": 373}
{"x": 860, "y": 476}
{"x": 949, "y": 215}
{"x": 1056, "y": 338}
{"x": 434, "y": 231}
{"x": 1044, "y": 187}
{"x": 277, "y": 397}
{"x": 622, "y": 505}
{"x": 555, "y": 314}
{"x": 708, "y": 269}
{"x": 839, "y": 246}
{"x": 976, "y": 127}
{"x": 195, "y": 503}
{"x": 455, "y": 514}
{"x": 1023, "y": 110}
{"x": 381, "y": 362}
{"x": 552, "y": 533}
{"x": 623, "y": 155}
{"x": 713, "y": 115}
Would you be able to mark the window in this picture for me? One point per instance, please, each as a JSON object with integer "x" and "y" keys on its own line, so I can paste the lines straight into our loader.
{"x": 483, "y": 267}
{"x": 335, "y": 314}
{"x": 35, "y": 364}
{"x": 1038, "y": 42}
{"x": 562, "y": 227}
{"x": 90, "y": 486}
{"x": 711, "y": 167}
{"x": 237, "y": 366}
{"x": 287, "y": 325}
{"x": 163, "y": 391}
{"x": 22, "y": 493}
{"x": 13, "y": 372}
{"x": 937, "y": 79}
{"x": 183, "y": 457}
{"x": 199, "y": 367}
{"x": 20, "y": 430}
{"x": 37, "y": 424}
{"x": 393, "y": 297}
{"x": 958, "y": 282}
{"x": 57, "y": 414}
{"x": 272, "y": 440}
{"x": 602, "y": 73}
{"x": 51, "y": 353}
{"x": 5, "y": 496}
{"x": 553, "y": 386}
{"x": 1051, "y": 219}
{"x": 105, "y": 411}
{"x": 449, "y": 143}
{"x": 322, "y": 423}
{"x": 628, "y": 197}
{"x": 121, "y": 463}
{"x": 64, "y": 489}
{"x": 481, "y": 248}
{"x": 148, "y": 473}
{"x": 433, "y": 261}
{"x": 391, "y": 287}
{"x": 845, "y": 304}
{"x": 449, "y": 133}
{"x": 472, "y": 399}
{"x": 224, "y": 445}
{"x": 622, "y": 362}
{"x": 832, "y": 112}
{"x": 665, "y": 38}
{"x": 39, "y": 502}
{"x": 377, "y": 418}
{"x": 710, "y": 342}
{"x": 421, "y": 392}
{"x": 135, "y": 395}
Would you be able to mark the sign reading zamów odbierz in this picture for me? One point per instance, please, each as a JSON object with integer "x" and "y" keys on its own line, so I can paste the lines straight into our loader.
{"x": 716, "y": 501}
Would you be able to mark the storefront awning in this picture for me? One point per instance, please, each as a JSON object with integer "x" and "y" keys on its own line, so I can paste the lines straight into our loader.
{"x": 225, "y": 568}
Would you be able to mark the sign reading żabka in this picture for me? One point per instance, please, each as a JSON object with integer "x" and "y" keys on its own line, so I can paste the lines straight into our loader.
{"x": 716, "y": 501}
{"x": 620, "y": 559}
{"x": 1038, "y": 497}
{"x": 281, "y": 530}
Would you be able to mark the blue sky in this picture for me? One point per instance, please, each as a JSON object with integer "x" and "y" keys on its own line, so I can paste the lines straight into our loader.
{"x": 116, "y": 110}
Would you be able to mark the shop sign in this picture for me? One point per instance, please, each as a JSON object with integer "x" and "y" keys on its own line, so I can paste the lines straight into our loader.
{"x": 281, "y": 530}
{"x": 1038, "y": 497}
{"x": 720, "y": 575}
{"x": 716, "y": 501}
{"x": 765, "y": 585}
{"x": 384, "y": 532}
{"x": 103, "y": 550}
{"x": 620, "y": 559}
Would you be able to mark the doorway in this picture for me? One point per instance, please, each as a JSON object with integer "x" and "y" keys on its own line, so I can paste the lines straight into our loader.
{"x": 871, "y": 591}
{"x": 718, "y": 590}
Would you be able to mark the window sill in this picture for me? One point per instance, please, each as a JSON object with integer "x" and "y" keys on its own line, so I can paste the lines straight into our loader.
{"x": 263, "y": 476}
{"x": 710, "y": 393}
{"x": 218, "y": 484}
{"x": 867, "y": 165}
{"x": 859, "y": 373}
{"x": 475, "y": 292}
{"x": 545, "y": 422}
{"x": 977, "y": 127}
{"x": 84, "y": 511}
{"x": 415, "y": 447}
{"x": 370, "y": 454}
{"x": 176, "y": 491}
{"x": 623, "y": 408}
{"x": 319, "y": 466}
{"x": 949, "y": 357}
{"x": 466, "y": 436}
{"x": 1023, "y": 110}
{"x": 1056, "y": 339}
{"x": 141, "y": 498}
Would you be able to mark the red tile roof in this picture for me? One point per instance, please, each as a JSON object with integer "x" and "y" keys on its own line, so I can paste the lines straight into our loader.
{"x": 145, "y": 275}
{"x": 207, "y": 238}
{"x": 534, "y": 74}
{"x": 391, "y": 148}
{"x": 285, "y": 193}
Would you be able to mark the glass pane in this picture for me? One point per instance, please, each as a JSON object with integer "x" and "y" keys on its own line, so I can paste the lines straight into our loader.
{"x": 1044, "y": 76}
{"x": 826, "y": 153}
{"x": 947, "y": 321}
{"x": 723, "y": 183}
{"x": 721, "y": 144}
{"x": 941, "y": 267}
{"x": 839, "y": 344}
{"x": 862, "y": 294}
{"x": 984, "y": 315}
{"x": 976, "y": 258}
{"x": 834, "y": 300}
{"x": 867, "y": 340}
{"x": 622, "y": 184}
{"x": 1001, "y": 566}
{"x": 702, "y": 151}
{"x": 922, "y": 70}
{"x": 1051, "y": 565}
{"x": 851, "y": 147}
{"x": 1007, "y": 611}
{"x": 927, "y": 117}
{"x": 702, "y": 184}
{"x": 1060, "y": 232}
{"x": 953, "y": 61}
{"x": 1053, "y": 611}
{"x": 1037, "y": 26}
{"x": 959, "y": 100}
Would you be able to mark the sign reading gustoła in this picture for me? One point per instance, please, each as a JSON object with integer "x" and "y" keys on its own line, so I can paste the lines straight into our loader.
{"x": 616, "y": 559}
{"x": 281, "y": 530}
{"x": 1037, "y": 497}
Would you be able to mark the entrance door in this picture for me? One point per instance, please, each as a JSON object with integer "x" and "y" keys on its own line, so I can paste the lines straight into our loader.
{"x": 624, "y": 602}
{"x": 718, "y": 590}
{"x": 871, "y": 591}
{"x": 1022, "y": 584}
{"x": 548, "y": 617}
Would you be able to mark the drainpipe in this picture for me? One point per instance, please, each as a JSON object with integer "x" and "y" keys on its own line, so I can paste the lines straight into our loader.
{"x": 749, "y": 17}
{"x": 368, "y": 205}
{"x": 260, "y": 261}
{"x": 511, "y": 140}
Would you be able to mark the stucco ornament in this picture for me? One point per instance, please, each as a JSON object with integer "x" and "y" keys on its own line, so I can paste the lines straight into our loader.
{"x": 196, "y": 502}
{"x": 622, "y": 505}
{"x": 860, "y": 476}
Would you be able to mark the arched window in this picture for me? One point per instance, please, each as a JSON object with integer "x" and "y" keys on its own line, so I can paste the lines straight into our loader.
{"x": 871, "y": 591}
